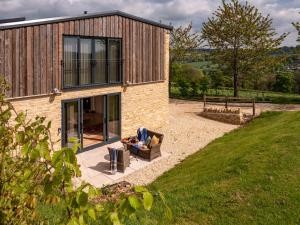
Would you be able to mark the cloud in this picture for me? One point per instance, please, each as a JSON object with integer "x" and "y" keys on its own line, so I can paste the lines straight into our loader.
{"x": 177, "y": 12}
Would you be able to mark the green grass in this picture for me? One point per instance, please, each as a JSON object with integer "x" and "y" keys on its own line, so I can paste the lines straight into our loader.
{"x": 260, "y": 96}
{"x": 249, "y": 176}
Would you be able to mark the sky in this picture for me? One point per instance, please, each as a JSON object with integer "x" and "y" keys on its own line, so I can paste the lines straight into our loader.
{"x": 176, "y": 12}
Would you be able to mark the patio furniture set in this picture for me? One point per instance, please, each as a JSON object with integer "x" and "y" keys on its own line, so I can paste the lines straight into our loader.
{"x": 145, "y": 145}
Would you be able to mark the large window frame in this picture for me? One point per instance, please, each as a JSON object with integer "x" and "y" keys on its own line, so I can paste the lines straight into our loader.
{"x": 108, "y": 81}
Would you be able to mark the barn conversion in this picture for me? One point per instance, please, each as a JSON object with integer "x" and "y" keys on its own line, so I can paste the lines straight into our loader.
{"x": 97, "y": 77}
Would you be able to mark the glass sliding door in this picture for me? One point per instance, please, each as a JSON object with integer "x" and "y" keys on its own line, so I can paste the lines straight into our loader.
{"x": 71, "y": 127}
{"x": 100, "y": 62}
{"x": 94, "y": 120}
{"x": 93, "y": 110}
{"x": 114, "y": 118}
{"x": 85, "y": 61}
{"x": 70, "y": 61}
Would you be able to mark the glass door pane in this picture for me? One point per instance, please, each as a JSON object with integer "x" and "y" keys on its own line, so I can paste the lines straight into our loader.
{"x": 71, "y": 129}
{"x": 93, "y": 121}
{"x": 100, "y": 61}
{"x": 114, "y": 57}
{"x": 70, "y": 61}
{"x": 114, "y": 120}
{"x": 85, "y": 61}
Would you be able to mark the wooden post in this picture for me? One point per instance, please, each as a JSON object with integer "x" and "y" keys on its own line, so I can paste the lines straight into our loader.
{"x": 204, "y": 101}
{"x": 253, "y": 105}
{"x": 226, "y": 102}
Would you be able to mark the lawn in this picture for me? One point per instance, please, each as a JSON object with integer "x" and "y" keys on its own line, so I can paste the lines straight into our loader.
{"x": 249, "y": 176}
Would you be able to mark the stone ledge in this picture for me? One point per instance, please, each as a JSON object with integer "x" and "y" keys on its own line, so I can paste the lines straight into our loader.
{"x": 231, "y": 118}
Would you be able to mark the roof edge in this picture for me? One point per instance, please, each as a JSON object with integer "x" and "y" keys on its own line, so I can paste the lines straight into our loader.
{"x": 27, "y": 23}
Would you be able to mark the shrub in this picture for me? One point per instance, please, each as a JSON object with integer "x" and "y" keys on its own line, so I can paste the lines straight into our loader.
{"x": 190, "y": 80}
{"x": 284, "y": 81}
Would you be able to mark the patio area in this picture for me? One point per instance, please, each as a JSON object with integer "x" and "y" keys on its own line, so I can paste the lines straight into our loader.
{"x": 186, "y": 133}
{"x": 95, "y": 165}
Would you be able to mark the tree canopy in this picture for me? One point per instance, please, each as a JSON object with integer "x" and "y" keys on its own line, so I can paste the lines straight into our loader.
{"x": 242, "y": 39}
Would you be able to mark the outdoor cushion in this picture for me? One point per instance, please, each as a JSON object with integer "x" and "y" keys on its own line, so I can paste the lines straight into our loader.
{"x": 148, "y": 140}
{"x": 154, "y": 140}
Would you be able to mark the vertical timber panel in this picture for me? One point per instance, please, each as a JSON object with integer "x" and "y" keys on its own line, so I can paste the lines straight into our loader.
{"x": 36, "y": 61}
{"x": 43, "y": 56}
{"x": 29, "y": 61}
{"x": 77, "y": 27}
{"x": 23, "y": 69}
{"x": 2, "y": 52}
{"x": 49, "y": 55}
{"x": 8, "y": 60}
{"x": 55, "y": 55}
{"x": 127, "y": 49}
{"x": 133, "y": 52}
{"x": 60, "y": 53}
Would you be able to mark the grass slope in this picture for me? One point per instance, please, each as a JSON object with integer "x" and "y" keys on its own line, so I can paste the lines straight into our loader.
{"x": 249, "y": 176}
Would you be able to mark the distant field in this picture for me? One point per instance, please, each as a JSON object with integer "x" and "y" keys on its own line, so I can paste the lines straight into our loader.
{"x": 260, "y": 96}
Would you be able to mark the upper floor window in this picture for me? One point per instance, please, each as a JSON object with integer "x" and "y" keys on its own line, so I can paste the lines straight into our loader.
{"x": 91, "y": 61}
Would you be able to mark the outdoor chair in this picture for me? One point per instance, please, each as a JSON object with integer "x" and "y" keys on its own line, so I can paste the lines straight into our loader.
{"x": 148, "y": 152}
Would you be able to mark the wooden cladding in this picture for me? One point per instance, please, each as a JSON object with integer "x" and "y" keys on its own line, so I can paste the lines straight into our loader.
{"x": 30, "y": 57}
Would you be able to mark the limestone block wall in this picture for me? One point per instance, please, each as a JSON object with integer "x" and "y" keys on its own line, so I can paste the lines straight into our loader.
{"x": 141, "y": 105}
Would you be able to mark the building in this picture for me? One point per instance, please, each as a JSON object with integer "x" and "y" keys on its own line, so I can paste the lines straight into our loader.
{"x": 97, "y": 77}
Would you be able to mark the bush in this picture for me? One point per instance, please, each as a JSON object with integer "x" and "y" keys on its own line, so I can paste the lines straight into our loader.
{"x": 284, "y": 81}
{"x": 190, "y": 80}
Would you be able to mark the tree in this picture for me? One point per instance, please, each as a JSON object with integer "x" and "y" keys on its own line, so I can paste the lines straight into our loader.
{"x": 284, "y": 81}
{"x": 242, "y": 39}
{"x": 297, "y": 26}
{"x": 191, "y": 80}
{"x": 32, "y": 174}
{"x": 182, "y": 41}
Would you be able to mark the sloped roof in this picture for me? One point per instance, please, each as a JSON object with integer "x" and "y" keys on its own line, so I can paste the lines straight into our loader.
{"x": 27, "y": 23}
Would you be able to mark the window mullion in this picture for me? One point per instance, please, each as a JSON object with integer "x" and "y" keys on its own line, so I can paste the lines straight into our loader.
{"x": 107, "y": 61}
{"x": 78, "y": 61}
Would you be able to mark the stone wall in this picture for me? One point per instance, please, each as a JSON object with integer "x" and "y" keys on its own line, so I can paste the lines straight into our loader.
{"x": 141, "y": 105}
{"x": 232, "y": 118}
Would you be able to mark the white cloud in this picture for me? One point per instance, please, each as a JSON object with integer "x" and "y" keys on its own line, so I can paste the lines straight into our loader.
{"x": 178, "y": 12}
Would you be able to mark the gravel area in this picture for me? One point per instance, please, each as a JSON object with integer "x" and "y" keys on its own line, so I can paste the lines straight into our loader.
{"x": 186, "y": 133}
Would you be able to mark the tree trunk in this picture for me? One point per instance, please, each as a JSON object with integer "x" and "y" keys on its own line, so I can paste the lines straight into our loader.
{"x": 235, "y": 73}
{"x": 235, "y": 85}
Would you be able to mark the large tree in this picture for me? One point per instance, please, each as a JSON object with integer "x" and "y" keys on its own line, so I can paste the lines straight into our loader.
{"x": 243, "y": 40}
{"x": 297, "y": 26}
{"x": 182, "y": 41}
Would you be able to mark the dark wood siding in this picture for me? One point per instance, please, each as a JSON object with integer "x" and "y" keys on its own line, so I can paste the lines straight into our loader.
{"x": 30, "y": 57}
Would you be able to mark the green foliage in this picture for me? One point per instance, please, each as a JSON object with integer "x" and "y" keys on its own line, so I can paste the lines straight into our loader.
{"x": 297, "y": 26}
{"x": 284, "y": 81}
{"x": 190, "y": 80}
{"x": 242, "y": 40}
{"x": 182, "y": 40}
{"x": 35, "y": 179}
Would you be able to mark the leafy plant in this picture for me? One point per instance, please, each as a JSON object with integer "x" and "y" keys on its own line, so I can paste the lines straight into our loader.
{"x": 33, "y": 174}
{"x": 284, "y": 81}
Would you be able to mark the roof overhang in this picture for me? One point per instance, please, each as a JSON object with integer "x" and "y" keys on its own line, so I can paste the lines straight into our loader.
{"x": 84, "y": 16}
